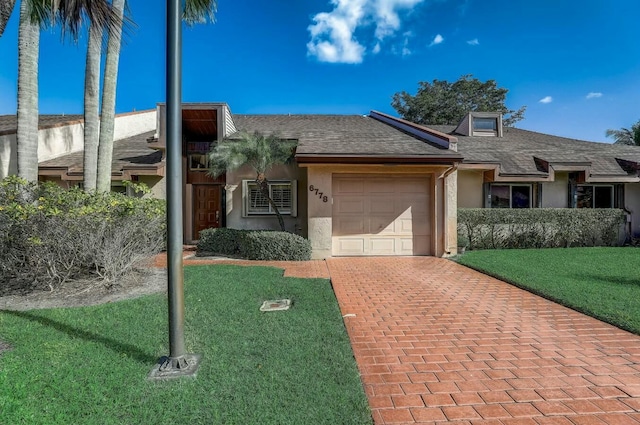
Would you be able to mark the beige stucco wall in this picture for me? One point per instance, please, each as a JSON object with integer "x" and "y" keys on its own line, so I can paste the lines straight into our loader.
{"x": 470, "y": 183}
{"x": 157, "y": 184}
{"x": 132, "y": 123}
{"x": 234, "y": 200}
{"x": 443, "y": 205}
{"x": 555, "y": 194}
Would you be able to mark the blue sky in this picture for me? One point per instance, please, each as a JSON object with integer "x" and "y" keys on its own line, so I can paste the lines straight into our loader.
{"x": 575, "y": 65}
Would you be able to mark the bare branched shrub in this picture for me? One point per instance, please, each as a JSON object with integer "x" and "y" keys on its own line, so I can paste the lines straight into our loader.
{"x": 49, "y": 236}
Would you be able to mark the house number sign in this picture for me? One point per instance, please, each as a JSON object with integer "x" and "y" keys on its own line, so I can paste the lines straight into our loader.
{"x": 321, "y": 195}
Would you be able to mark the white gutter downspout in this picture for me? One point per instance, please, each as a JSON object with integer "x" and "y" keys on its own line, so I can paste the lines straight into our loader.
{"x": 447, "y": 173}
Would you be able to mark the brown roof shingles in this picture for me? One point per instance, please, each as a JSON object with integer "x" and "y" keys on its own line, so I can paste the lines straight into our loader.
{"x": 517, "y": 150}
{"x": 342, "y": 135}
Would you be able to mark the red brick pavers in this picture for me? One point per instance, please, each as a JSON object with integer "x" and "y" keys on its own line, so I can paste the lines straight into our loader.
{"x": 437, "y": 342}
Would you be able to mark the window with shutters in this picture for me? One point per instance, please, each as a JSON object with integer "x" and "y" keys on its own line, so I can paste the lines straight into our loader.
{"x": 282, "y": 193}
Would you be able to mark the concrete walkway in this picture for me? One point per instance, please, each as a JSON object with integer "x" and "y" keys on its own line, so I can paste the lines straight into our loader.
{"x": 436, "y": 342}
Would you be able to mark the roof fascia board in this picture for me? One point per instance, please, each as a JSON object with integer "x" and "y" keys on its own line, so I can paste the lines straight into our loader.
{"x": 371, "y": 159}
{"x": 443, "y": 140}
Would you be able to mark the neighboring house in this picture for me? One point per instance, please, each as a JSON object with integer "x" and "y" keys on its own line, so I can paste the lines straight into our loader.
{"x": 61, "y": 144}
{"x": 369, "y": 185}
{"x": 514, "y": 168}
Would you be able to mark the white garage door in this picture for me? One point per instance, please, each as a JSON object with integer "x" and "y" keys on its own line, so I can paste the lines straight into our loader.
{"x": 381, "y": 215}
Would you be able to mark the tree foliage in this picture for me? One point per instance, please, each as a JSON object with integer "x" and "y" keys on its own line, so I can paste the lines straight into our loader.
{"x": 441, "y": 102}
{"x": 256, "y": 150}
{"x": 626, "y": 136}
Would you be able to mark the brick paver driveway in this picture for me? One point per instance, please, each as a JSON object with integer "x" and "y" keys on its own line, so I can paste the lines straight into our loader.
{"x": 436, "y": 341}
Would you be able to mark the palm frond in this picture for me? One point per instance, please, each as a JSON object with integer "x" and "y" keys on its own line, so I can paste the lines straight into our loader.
{"x": 199, "y": 11}
{"x": 6, "y": 7}
{"x": 254, "y": 149}
{"x": 71, "y": 15}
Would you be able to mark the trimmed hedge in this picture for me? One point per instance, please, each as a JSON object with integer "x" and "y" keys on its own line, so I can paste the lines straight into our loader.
{"x": 486, "y": 228}
{"x": 254, "y": 244}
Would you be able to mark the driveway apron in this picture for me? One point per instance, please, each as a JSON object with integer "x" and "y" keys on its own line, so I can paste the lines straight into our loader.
{"x": 436, "y": 341}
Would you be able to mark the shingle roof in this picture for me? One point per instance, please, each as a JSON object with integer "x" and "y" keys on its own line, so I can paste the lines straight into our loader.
{"x": 9, "y": 123}
{"x": 518, "y": 150}
{"x": 128, "y": 153}
{"x": 342, "y": 135}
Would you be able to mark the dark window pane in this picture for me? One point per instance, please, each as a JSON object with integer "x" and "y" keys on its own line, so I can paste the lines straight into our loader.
{"x": 198, "y": 162}
{"x": 585, "y": 196}
{"x": 520, "y": 196}
{"x": 500, "y": 196}
{"x": 485, "y": 124}
{"x": 603, "y": 197}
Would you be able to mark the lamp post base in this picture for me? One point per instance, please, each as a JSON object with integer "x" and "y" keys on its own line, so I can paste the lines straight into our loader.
{"x": 176, "y": 367}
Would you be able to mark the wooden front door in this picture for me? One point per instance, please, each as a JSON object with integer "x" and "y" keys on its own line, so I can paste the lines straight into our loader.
{"x": 207, "y": 208}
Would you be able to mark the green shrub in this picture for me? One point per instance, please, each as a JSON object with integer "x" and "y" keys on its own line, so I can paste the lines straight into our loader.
{"x": 49, "y": 235}
{"x": 223, "y": 241}
{"x": 272, "y": 245}
{"x": 487, "y": 228}
{"x": 254, "y": 244}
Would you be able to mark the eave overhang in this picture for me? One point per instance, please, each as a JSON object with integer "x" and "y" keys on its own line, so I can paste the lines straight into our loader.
{"x": 377, "y": 159}
{"x": 126, "y": 173}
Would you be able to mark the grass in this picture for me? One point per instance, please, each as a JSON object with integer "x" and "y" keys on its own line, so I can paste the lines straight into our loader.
{"x": 601, "y": 282}
{"x": 89, "y": 365}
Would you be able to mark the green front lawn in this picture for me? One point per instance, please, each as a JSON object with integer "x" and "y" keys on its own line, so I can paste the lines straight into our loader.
{"x": 601, "y": 282}
{"x": 90, "y": 365}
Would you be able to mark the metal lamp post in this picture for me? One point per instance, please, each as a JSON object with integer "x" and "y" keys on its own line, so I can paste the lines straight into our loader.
{"x": 178, "y": 363}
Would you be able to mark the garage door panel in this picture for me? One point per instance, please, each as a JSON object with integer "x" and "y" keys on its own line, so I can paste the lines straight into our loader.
{"x": 381, "y": 205}
{"x": 350, "y": 226}
{"x": 382, "y": 246}
{"x": 349, "y": 246}
{"x": 353, "y": 186}
{"x": 380, "y": 186}
{"x": 390, "y": 216}
{"x": 382, "y": 224}
{"x": 354, "y": 205}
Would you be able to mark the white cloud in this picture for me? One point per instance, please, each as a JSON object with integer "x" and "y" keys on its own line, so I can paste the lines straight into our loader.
{"x": 473, "y": 42}
{"x": 437, "y": 40}
{"x": 405, "y": 48}
{"x": 594, "y": 95}
{"x": 333, "y": 33}
{"x": 546, "y": 99}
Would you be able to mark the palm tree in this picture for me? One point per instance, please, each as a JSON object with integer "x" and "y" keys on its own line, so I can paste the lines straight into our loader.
{"x": 91, "y": 112}
{"x": 626, "y": 136}
{"x": 27, "y": 133}
{"x": 259, "y": 152}
{"x": 107, "y": 116}
{"x": 100, "y": 151}
{"x": 70, "y": 14}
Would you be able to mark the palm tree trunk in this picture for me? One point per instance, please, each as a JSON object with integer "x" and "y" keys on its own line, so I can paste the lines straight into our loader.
{"x": 107, "y": 120}
{"x": 263, "y": 185}
{"x": 6, "y": 7}
{"x": 91, "y": 102}
{"x": 27, "y": 134}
